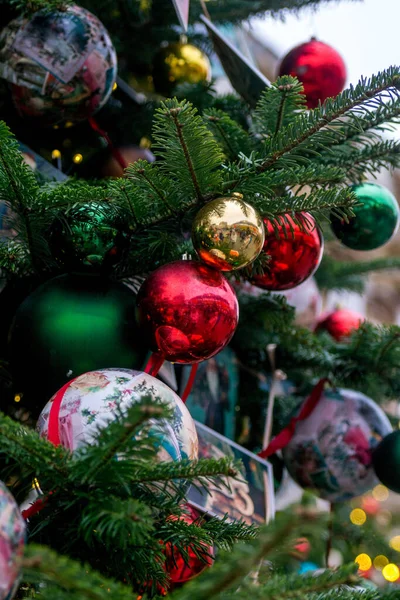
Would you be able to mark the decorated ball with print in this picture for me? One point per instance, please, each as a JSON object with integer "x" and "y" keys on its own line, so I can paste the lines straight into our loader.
{"x": 12, "y": 541}
{"x": 331, "y": 450}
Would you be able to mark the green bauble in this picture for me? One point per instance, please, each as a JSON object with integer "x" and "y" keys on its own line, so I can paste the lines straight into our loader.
{"x": 88, "y": 238}
{"x": 386, "y": 461}
{"x": 70, "y": 325}
{"x": 375, "y": 221}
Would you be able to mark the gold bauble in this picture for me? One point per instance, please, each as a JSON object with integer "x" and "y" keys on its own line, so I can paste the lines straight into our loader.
{"x": 227, "y": 233}
{"x": 179, "y": 63}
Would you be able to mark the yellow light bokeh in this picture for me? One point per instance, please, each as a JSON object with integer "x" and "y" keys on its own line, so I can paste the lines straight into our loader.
{"x": 391, "y": 572}
{"x": 380, "y": 561}
{"x": 364, "y": 562}
{"x": 68, "y": 124}
{"x": 115, "y": 86}
{"x": 380, "y": 493}
{"x": 395, "y": 543}
{"x": 77, "y": 158}
{"x": 55, "y": 154}
{"x": 358, "y": 516}
{"x": 17, "y": 398}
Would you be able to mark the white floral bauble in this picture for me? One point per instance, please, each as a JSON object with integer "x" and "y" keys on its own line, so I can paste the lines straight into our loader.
{"x": 12, "y": 541}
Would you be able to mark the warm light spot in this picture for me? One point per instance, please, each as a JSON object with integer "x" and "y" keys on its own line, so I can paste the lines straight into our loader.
{"x": 115, "y": 86}
{"x": 17, "y": 398}
{"x": 380, "y": 561}
{"x": 380, "y": 493}
{"x": 145, "y": 142}
{"x": 68, "y": 124}
{"x": 395, "y": 543}
{"x": 358, "y": 516}
{"x": 55, "y": 154}
{"x": 77, "y": 158}
{"x": 364, "y": 562}
{"x": 391, "y": 572}
{"x": 383, "y": 517}
{"x": 56, "y": 127}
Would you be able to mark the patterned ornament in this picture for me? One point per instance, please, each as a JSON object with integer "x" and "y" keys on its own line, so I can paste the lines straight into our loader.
{"x": 90, "y": 237}
{"x": 12, "y": 541}
{"x": 227, "y": 233}
{"x": 130, "y": 154}
{"x": 340, "y": 323}
{"x": 376, "y": 218}
{"x": 61, "y": 64}
{"x": 331, "y": 450}
{"x": 69, "y": 325}
{"x": 178, "y": 63}
{"x": 295, "y": 253}
{"x": 386, "y": 461}
{"x": 187, "y": 311}
{"x": 319, "y": 67}
{"x": 91, "y": 400}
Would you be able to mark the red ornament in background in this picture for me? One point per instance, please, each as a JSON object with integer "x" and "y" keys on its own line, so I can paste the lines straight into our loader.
{"x": 319, "y": 67}
{"x": 295, "y": 253}
{"x": 187, "y": 311}
{"x": 340, "y": 323}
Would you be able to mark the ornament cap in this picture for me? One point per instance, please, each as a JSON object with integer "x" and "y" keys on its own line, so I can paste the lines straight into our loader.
{"x": 237, "y": 195}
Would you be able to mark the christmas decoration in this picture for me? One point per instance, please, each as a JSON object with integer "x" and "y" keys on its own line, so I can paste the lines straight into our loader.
{"x": 89, "y": 237}
{"x": 340, "y": 323}
{"x": 228, "y": 233}
{"x": 295, "y": 250}
{"x": 130, "y": 154}
{"x": 90, "y": 402}
{"x": 61, "y": 64}
{"x": 331, "y": 450}
{"x": 69, "y": 325}
{"x": 187, "y": 311}
{"x": 319, "y": 67}
{"x": 386, "y": 461}
{"x": 12, "y": 541}
{"x": 376, "y": 218}
{"x": 178, "y": 63}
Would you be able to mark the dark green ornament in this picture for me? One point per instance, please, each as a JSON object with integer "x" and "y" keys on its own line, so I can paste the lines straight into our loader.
{"x": 89, "y": 238}
{"x": 70, "y": 325}
{"x": 375, "y": 222}
{"x": 386, "y": 461}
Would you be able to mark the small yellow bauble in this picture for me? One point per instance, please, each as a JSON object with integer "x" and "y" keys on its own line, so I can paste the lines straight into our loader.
{"x": 227, "y": 233}
{"x": 179, "y": 63}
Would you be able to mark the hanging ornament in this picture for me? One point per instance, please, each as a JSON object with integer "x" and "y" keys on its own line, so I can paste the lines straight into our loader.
{"x": 376, "y": 218}
{"x": 70, "y": 325}
{"x": 91, "y": 237}
{"x": 187, "y": 311}
{"x": 295, "y": 253}
{"x": 340, "y": 323}
{"x": 61, "y": 64}
{"x": 178, "y": 63}
{"x": 12, "y": 541}
{"x": 386, "y": 461}
{"x": 227, "y": 233}
{"x": 319, "y": 67}
{"x": 130, "y": 154}
{"x": 331, "y": 450}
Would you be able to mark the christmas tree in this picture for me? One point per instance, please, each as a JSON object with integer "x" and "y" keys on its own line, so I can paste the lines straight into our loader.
{"x": 116, "y": 281}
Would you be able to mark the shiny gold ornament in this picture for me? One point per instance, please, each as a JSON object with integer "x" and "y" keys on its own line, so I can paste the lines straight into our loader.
{"x": 227, "y": 233}
{"x": 179, "y": 63}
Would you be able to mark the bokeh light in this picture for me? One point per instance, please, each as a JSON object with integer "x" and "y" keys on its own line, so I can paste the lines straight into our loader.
{"x": 358, "y": 516}
{"x": 391, "y": 572}
{"x": 55, "y": 154}
{"x": 77, "y": 158}
{"x": 395, "y": 543}
{"x": 380, "y": 561}
{"x": 364, "y": 562}
{"x": 380, "y": 493}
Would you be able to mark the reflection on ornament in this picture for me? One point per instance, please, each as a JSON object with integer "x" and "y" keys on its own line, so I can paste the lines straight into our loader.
{"x": 375, "y": 222}
{"x": 179, "y": 63}
{"x": 340, "y": 323}
{"x": 320, "y": 69}
{"x": 227, "y": 233}
{"x": 364, "y": 562}
{"x": 129, "y": 154}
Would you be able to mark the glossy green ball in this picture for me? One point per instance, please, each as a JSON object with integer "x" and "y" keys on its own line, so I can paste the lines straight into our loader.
{"x": 386, "y": 461}
{"x": 70, "y": 325}
{"x": 376, "y": 219}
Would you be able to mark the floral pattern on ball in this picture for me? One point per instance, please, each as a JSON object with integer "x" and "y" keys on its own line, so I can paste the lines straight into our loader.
{"x": 91, "y": 400}
{"x": 331, "y": 450}
{"x": 12, "y": 541}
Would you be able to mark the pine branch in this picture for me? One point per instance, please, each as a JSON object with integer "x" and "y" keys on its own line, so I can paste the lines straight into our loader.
{"x": 278, "y": 106}
{"x": 349, "y": 275}
{"x": 230, "y": 136}
{"x": 365, "y": 160}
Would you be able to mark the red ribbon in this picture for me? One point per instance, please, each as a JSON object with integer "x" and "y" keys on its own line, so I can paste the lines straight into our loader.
{"x": 284, "y": 437}
{"x": 116, "y": 153}
{"x": 36, "y": 507}
{"x": 154, "y": 364}
{"x": 53, "y": 433}
{"x": 190, "y": 382}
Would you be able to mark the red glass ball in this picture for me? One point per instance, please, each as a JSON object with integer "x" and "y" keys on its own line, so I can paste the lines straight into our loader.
{"x": 294, "y": 253}
{"x": 319, "y": 67}
{"x": 187, "y": 311}
{"x": 340, "y": 323}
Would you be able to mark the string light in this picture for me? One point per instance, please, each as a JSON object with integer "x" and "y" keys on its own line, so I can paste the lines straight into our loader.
{"x": 380, "y": 493}
{"x": 391, "y": 572}
{"x": 77, "y": 158}
{"x": 115, "y": 86}
{"x": 358, "y": 516}
{"x": 364, "y": 562}
{"x": 68, "y": 124}
{"x": 395, "y": 543}
{"x": 17, "y": 398}
{"x": 380, "y": 561}
{"x": 55, "y": 154}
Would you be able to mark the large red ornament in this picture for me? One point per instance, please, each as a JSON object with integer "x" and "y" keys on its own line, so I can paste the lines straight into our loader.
{"x": 295, "y": 253}
{"x": 340, "y": 323}
{"x": 187, "y": 311}
{"x": 319, "y": 67}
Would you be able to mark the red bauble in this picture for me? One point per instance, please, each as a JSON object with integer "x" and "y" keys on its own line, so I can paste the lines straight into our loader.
{"x": 187, "y": 311}
{"x": 340, "y": 323}
{"x": 295, "y": 253}
{"x": 320, "y": 69}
